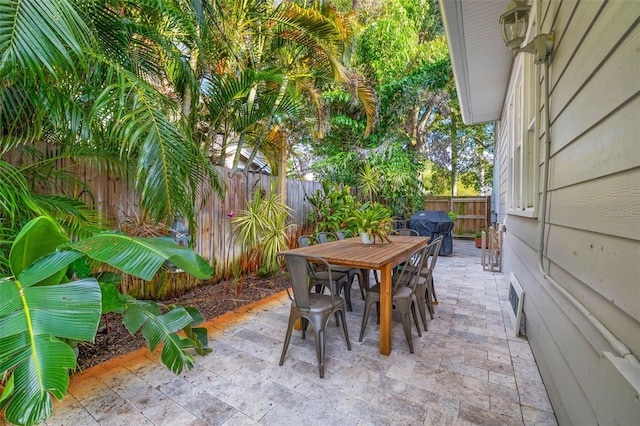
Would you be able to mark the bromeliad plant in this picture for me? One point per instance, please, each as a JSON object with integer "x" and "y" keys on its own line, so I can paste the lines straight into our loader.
{"x": 373, "y": 219}
{"x": 52, "y": 302}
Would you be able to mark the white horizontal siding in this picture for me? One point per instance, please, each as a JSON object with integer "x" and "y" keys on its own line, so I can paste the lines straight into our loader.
{"x": 592, "y": 235}
{"x": 562, "y": 353}
{"x": 611, "y": 84}
{"x": 609, "y": 205}
{"x": 616, "y": 140}
{"x": 605, "y": 264}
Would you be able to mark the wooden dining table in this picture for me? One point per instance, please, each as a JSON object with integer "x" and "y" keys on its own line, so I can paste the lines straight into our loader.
{"x": 383, "y": 257}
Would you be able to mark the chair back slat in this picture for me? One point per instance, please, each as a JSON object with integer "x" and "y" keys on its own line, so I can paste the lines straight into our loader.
{"x": 305, "y": 240}
{"x": 410, "y": 270}
{"x": 324, "y": 237}
{"x": 300, "y": 267}
{"x": 434, "y": 252}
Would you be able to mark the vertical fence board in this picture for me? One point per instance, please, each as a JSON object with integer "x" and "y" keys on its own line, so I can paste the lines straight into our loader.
{"x": 113, "y": 196}
{"x": 474, "y": 213}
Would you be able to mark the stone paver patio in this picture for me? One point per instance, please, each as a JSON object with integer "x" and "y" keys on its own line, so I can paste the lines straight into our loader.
{"x": 467, "y": 369}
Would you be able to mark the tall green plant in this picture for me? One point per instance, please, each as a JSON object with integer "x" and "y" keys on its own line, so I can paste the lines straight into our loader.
{"x": 93, "y": 85}
{"x": 262, "y": 228}
{"x": 331, "y": 207}
{"x": 44, "y": 310}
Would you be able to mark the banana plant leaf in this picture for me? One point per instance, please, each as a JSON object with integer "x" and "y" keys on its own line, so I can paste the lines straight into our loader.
{"x": 37, "y": 238}
{"x": 158, "y": 328}
{"x": 141, "y": 257}
{"x": 39, "y": 312}
{"x": 32, "y": 322}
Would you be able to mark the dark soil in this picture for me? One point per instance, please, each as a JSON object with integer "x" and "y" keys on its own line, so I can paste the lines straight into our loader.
{"x": 212, "y": 299}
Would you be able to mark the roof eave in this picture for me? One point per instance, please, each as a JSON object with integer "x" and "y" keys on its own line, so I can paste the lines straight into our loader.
{"x": 481, "y": 62}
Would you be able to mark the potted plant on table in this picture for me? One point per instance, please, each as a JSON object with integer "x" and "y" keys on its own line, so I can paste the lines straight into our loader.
{"x": 373, "y": 220}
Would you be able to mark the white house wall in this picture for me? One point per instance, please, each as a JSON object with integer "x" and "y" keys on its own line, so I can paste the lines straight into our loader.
{"x": 592, "y": 235}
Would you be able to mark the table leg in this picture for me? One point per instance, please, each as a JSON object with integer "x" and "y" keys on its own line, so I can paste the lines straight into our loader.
{"x": 364, "y": 285}
{"x": 385, "y": 310}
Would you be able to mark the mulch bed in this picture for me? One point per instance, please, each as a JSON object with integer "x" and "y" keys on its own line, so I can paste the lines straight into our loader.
{"x": 212, "y": 299}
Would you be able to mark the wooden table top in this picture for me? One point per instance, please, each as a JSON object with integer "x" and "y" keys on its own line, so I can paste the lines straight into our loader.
{"x": 352, "y": 252}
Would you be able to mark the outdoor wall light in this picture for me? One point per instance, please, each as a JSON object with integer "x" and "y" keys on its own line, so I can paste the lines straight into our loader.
{"x": 515, "y": 23}
{"x": 179, "y": 231}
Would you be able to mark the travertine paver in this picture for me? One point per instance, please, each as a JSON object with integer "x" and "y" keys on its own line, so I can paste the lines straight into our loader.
{"x": 467, "y": 369}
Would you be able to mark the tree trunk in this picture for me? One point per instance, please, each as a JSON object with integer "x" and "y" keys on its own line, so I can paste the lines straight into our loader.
{"x": 282, "y": 169}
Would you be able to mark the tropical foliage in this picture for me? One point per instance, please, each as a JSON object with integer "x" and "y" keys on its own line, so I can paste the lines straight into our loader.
{"x": 99, "y": 83}
{"x": 157, "y": 92}
{"x": 262, "y": 229}
{"x": 52, "y": 300}
{"x": 265, "y": 91}
{"x": 419, "y": 145}
{"x": 373, "y": 219}
{"x": 331, "y": 208}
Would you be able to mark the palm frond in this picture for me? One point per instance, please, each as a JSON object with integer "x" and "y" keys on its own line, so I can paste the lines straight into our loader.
{"x": 221, "y": 91}
{"x": 367, "y": 96}
{"x": 33, "y": 44}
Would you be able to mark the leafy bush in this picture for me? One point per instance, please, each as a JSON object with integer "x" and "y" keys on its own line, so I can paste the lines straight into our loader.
{"x": 332, "y": 208}
{"x": 52, "y": 301}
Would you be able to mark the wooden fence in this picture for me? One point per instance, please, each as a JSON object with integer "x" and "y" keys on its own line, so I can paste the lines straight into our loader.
{"x": 214, "y": 240}
{"x": 116, "y": 199}
{"x": 474, "y": 213}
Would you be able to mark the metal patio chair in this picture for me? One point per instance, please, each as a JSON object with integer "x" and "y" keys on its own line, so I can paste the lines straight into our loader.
{"x": 339, "y": 280}
{"x": 403, "y": 298}
{"x": 427, "y": 273}
{"x": 324, "y": 237}
{"x": 313, "y": 308}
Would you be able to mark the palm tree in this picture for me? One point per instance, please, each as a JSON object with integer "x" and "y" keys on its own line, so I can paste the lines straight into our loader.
{"x": 265, "y": 89}
{"x": 94, "y": 83}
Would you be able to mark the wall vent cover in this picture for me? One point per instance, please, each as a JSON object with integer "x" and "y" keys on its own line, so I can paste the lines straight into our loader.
{"x": 516, "y": 301}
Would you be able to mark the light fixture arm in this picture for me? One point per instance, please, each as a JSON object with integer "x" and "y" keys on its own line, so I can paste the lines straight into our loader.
{"x": 540, "y": 47}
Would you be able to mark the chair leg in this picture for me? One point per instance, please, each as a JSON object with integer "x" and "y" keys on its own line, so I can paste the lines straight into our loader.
{"x": 415, "y": 318}
{"x": 352, "y": 276}
{"x": 320, "y": 343}
{"x": 363, "y": 281}
{"x": 344, "y": 327}
{"x": 433, "y": 291}
{"x": 365, "y": 318}
{"x": 347, "y": 293}
{"x": 287, "y": 338}
{"x": 403, "y": 306}
{"x": 422, "y": 306}
{"x": 428, "y": 299}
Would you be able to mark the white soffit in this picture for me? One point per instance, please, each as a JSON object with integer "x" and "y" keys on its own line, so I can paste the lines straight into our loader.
{"x": 481, "y": 62}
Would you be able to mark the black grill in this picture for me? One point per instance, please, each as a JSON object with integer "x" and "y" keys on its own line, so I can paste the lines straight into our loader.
{"x": 431, "y": 223}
